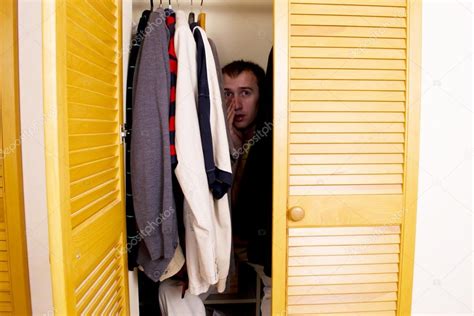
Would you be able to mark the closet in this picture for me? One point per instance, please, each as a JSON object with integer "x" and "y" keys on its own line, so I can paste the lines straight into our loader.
{"x": 346, "y": 112}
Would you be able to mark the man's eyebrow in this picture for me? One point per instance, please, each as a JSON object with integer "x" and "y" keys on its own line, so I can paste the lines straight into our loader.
{"x": 246, "y": 88}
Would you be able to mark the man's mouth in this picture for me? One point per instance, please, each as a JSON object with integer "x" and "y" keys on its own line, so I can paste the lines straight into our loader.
{"x": 239, "y": 117}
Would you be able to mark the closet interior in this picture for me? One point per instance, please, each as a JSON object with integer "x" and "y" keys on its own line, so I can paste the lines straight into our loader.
{"x": 240, "y": 30}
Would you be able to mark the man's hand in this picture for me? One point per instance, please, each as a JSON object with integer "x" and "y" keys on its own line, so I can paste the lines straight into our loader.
{"x": 235, "y": 135}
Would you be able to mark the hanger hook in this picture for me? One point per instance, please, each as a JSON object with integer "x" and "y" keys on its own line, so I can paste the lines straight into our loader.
{"x": 151, "y": 5}
{"x": 161, "y": 3}
{"x": 202, "y": 1}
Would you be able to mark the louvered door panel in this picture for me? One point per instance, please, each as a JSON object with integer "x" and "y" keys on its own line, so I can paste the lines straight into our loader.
{"x": 353, "y": 83}
{"x": 88, "y": 85}
{"x": 5, "y": 282}
{"x": 346, "y": 115}
{"x": 6, "y": 307}
{"x": 343, "y": 270}
{"x": 14, "y": 278}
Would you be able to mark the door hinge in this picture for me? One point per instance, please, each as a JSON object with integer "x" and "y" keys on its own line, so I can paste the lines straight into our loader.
{"x": 124, "y": 132}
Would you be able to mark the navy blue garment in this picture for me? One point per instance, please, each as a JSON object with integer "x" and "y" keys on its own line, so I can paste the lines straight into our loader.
{"x": 219, "y": 181}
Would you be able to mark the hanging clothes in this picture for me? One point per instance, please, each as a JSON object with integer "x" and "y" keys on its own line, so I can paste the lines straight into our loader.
{"x": 219, "y": 179}
{"x": 150, "y": 152}
{"x": 222, "y": 169}
{"x": 207, "y": 221}
{"x": 133, "y": 237}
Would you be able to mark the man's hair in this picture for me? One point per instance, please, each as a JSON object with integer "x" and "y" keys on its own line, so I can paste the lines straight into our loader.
{"x": 237, "y": 67}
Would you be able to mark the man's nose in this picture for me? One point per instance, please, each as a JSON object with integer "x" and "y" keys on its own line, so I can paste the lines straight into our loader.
{"x": 238, "y": 103}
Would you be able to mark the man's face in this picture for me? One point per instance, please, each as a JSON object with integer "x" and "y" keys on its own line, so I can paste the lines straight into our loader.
{"x": 242, "y": 93}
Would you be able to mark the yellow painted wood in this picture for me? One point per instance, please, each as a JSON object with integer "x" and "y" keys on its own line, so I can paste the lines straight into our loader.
{"x": 348, "y": 138}
{"x": 341, "y": 231}
{"x": 280, "y": 155}
{"x": 330, "y": 30}
{"x": 344, "y": 298}
{"x": 393, "y": 3}
{"x": 345, "y": 179}
{"x": 329, "y": 127}
{"x": 83, "y": 88}
{"x": 343, "y": 240}
{"x": 316, "y": 95}
{"x": 351, "y": 110}
{"x": 348, "y": 210}
{"x": 341, "y": 159}
{"x": 341, "y": 250}
{"x": 412, "y": 156}
{"x": 343, "y": 269}
{"x": 336, "y": 308}
{"x": 342, "y": 288}
{"x": 358, "y": 274}
{"x": 345, "y": 148}
{"x": 317, "y": 41}
{"x": 348, "y": 10}
{"x": 343, "y": 260}
{"x": 346, "y": 169}
{"x": 333, "y": 63}
{"x": 348, "y": 20}
{"x": 364, "y": 313}
{"x": 14, "y": 278}
{"x": 359, "y": 189}
{"x": 347, "y": 116}
{"x": 90, "y": 169}
{"x": 356, "y": 74}
{"x": 352, "y": 52}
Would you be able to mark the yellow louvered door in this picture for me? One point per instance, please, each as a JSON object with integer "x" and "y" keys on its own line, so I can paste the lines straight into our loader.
{"x": 14, "y": 279}
{"x": 346, "y": 155}
{"x": 83, "y": 112}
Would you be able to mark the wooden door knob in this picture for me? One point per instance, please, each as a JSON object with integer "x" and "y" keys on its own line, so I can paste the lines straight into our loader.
{"x": 296, "y": 213}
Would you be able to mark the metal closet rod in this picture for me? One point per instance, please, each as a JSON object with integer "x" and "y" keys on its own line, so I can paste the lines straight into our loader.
{"x": 169, "y": 3}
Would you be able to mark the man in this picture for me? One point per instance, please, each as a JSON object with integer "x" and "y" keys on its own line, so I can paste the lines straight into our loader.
{"x": 249, "y": 121}
{"x": 243, "y": 82}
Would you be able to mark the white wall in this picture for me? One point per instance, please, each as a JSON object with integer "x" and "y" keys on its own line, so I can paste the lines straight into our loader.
{"x": 241, "y": 29}
{"x": 32, "y": 129}
{"x": 443, "y": 255}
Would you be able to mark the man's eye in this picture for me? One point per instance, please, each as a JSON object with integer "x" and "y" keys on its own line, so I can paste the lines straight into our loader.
{"x": 227, "y": 94}
{"x": 245, "y": 93}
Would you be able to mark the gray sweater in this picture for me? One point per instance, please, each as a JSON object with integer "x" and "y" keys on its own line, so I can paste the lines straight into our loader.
{"x": 150, "y": 152}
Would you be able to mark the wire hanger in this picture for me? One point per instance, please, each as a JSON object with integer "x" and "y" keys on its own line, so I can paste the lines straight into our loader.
{"x": 169, "y": 4}
{"x": 161, "y": 4}
{"x": 151, "y": 5}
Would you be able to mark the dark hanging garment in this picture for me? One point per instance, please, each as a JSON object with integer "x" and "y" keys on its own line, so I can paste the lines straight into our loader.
{"x": 219, "y": 180}
{"x": 132, "y": 232}
{"x": 255, "y": 196}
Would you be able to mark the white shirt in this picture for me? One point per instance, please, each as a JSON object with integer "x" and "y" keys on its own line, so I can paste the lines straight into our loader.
{"x": 207, "y": 222}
